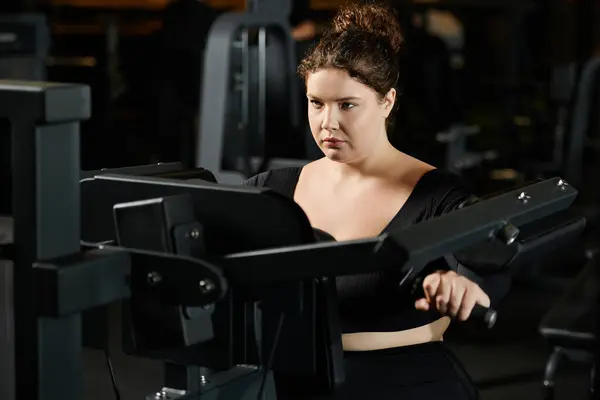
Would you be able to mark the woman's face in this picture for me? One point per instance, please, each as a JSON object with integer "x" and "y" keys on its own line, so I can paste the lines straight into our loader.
{"x": 347, "y": 118}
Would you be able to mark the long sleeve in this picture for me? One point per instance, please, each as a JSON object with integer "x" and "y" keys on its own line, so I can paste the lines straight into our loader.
{"x": 488, "y": 260}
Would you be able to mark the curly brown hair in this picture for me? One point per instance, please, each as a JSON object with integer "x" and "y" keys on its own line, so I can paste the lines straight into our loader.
{"x": 365, "y": 40}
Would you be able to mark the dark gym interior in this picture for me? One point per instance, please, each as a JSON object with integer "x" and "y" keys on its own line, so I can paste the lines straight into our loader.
{"x": 502, "y": 92}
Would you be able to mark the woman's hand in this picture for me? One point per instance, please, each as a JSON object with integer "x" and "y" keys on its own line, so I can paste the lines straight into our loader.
{"x": 451, "y": 294}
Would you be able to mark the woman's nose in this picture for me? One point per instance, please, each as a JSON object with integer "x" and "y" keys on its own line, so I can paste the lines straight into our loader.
{"x": 330, "y": 120}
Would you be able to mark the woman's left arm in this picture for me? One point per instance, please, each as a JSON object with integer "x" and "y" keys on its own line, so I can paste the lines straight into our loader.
{"x": 454, "y": 294}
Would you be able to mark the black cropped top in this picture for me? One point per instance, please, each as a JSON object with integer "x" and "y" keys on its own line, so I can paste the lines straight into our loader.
{"x": 372, "y": 302}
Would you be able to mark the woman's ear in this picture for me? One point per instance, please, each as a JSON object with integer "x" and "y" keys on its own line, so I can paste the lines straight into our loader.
{"x": 388, "y": 102}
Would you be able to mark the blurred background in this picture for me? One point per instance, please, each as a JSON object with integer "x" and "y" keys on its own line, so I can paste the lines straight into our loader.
{"x": 501, "y": 91}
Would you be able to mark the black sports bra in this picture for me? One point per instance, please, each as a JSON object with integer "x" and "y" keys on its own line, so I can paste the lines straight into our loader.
{"x": 371, "y": 302}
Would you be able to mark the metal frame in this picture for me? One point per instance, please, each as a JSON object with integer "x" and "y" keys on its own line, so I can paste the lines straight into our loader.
{"x": 214, "y": 116}
{"x": 44, "y": 121}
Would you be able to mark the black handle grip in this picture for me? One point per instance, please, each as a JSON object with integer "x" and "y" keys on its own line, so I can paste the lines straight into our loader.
{"x": 489, "y": 316}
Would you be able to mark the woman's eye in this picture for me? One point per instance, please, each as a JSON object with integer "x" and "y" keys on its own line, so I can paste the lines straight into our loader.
{"x": 316, "y": 103}
{"x": 347, "y": 106}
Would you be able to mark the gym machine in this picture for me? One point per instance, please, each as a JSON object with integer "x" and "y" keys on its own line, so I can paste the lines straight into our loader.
{"x": 142, "y": 208}
{"x": 249, "y": 67}
{"x": 192, "y": 256}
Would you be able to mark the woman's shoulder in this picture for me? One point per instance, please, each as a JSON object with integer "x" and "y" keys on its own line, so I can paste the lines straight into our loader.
{"x": 281, "y": 180}
{"x": 443, "y": 191}
{"x": 424, "y": 178}
{"x": 285, "y": 175}
{"x": 441, "y": 179}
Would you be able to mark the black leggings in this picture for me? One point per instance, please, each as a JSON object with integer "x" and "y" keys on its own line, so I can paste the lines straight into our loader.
{"x": 424, "y": 371}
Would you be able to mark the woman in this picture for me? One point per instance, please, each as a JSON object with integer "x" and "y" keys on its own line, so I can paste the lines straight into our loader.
{"x": 363, "y": 187}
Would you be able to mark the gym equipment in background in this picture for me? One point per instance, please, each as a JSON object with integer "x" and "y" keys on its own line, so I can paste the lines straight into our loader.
{"x": 249, "y": 101}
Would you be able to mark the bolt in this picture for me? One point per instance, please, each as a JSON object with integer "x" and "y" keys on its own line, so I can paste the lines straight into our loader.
{"x": 524, "y": 197}
{"x": 195, "y": 234}
{"x": 154, "y": 278}
{"x": 562, "y": 184}
{"x": 206, "y": 286}
{"x": 510, "y": 233}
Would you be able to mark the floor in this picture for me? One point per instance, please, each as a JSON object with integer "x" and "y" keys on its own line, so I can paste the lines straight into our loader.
{"x": 506, "y": 363}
